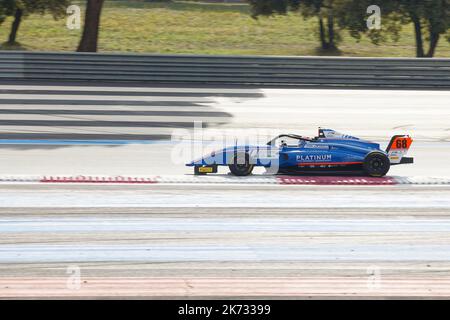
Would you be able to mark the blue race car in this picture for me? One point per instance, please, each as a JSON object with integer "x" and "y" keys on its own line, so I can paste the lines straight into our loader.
{"x": 330, "y": 152}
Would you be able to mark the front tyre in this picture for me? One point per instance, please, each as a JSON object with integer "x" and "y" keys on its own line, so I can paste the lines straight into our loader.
{"x": 376, "y": 164}
{"x": 239, "y": 167}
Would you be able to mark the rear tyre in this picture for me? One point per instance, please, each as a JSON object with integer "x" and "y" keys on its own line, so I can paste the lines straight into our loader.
{"x": 241, "y": 169}
{"x": 376, "y": 164}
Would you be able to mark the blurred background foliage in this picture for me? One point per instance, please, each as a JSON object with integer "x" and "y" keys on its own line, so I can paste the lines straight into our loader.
{"x": 261, "y": 27}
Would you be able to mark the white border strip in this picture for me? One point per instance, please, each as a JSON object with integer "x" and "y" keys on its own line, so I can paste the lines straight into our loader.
{"x": 210, "y": 179}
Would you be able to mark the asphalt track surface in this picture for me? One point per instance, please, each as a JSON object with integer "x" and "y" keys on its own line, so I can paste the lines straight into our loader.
{"x": 200, "y": 240}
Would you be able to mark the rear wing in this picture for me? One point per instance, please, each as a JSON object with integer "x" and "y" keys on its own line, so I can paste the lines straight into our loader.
{"x": 397, "y": 149}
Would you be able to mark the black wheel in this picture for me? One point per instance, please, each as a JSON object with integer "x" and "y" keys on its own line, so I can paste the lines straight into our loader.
{"x": 376, "y": 164}
{"x": 241, "y": 169}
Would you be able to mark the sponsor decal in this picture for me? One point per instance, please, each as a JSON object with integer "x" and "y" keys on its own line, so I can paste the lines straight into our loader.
{"x": 315, "y": 146}
{"x": 314, "y": 157}
{"x": 395, "y": 156}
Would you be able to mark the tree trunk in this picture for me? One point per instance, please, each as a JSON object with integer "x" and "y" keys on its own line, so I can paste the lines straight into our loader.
{"x": 15, "y": 26}
{"x": 89, "y": 38}
{"x": 418, "y": 34}
{"x": 331, "y": 44}
{"x": 434, "y": 38}
{"x": 323, "y": 40}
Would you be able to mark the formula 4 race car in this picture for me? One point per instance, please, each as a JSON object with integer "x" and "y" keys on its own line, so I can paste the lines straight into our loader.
{"x": 329, "y": 153}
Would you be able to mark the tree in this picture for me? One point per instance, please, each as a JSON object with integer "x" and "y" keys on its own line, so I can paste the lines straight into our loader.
{"x": 430, "y": 20}
{"x": 7, "y": 8}
{"x": 324, "y": 10}
{"x": 89, "y": 39}
{"x": 21, "y": 8}
{"x": 2, "y": 12}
